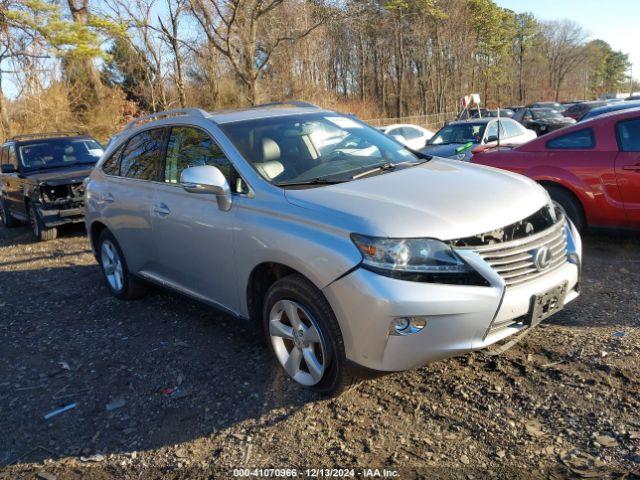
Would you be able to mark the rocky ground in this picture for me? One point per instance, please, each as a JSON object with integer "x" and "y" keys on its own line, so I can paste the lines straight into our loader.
{"x": 165, "y": 388}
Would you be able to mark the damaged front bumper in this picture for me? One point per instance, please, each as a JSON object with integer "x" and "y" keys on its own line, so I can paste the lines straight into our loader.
{"x": 54, "y": 217}
{"x": 61, "y": 204}
{"x": 456, "y": 319}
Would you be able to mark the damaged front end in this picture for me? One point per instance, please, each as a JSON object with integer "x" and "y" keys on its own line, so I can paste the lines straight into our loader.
{"x": 61, "y": 203}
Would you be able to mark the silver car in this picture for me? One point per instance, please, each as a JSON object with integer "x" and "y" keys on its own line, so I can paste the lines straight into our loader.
{"x": 355, "y": 254}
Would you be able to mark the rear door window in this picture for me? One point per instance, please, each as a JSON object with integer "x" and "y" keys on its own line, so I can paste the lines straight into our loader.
{"x": 142, "y": 157}
{"x": 111, "y": 165}
{"x": 578, "y": 140}
{"x": 629, "y": 135}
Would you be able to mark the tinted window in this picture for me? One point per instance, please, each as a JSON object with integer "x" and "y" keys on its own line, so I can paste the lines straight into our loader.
{"x": 4, "y": 156}
{"x": 580, "y": 140}
{"x": 111, "y": 166}
{"x": 192, "y": 147}
{"x": 143, "y": 155}
{"x": 629, "y": 135}
{"x": 459, "y": 133}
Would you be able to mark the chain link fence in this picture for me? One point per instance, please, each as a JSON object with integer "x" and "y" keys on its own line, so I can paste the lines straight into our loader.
{"x": 433, "y": 121}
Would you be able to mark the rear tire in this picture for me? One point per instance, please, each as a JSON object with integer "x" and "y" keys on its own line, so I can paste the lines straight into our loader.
{"x": 40, "y": 232}
{"x": 8, "y": 220}
{"x": 570, "y": 205}
{"x": 320, "y": 341}
{"x": 121, "y": 282}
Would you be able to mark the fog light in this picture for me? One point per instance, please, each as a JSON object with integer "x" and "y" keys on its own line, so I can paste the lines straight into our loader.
{"x": 407, "y": 325}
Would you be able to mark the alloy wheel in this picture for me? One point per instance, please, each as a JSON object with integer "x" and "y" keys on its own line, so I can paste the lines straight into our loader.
{"x": 297, "y": 342}
{"x": 112, "y": 265}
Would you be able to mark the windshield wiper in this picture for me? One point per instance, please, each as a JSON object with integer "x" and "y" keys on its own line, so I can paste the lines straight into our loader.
{"x": 313, "y": 181}
{"x": 377, "y": 168}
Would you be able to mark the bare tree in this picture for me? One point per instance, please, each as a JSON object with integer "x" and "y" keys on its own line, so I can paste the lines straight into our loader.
{"x": 247, "y": 33}
{"x": 564, "y": 48}
{"x": 170, "y": 31}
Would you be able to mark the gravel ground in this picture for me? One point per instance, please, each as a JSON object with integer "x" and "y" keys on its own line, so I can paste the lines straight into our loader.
{"x": 166, "y": 388}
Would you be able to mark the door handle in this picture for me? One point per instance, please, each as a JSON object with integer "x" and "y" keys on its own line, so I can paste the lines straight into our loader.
{"x": 161, "y": 209}
{"x": 635, "y": 167}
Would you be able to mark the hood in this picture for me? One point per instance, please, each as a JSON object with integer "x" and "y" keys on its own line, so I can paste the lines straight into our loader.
{"x": 443, "y": 199}
{"x": 60, "y": 176}
{"x": 448, "y": 151}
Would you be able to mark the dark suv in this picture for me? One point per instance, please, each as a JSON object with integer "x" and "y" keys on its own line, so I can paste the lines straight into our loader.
{"x": 41, "y": 180}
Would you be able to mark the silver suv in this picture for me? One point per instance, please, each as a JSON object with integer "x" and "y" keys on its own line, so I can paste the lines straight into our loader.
{"x": 352, "y": 252}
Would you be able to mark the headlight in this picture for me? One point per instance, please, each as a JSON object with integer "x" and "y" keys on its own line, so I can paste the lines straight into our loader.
{"x": 415, "y": 259}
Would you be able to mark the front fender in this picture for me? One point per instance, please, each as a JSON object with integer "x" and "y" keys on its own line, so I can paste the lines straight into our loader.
{"x": 562, "y": 177}
{"x": 318, "y": 252}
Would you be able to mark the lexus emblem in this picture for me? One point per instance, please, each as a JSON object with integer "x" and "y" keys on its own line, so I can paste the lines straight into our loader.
{"x": 541, "y": 258}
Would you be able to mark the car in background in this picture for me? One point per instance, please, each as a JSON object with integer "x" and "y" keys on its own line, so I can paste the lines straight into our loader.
{"x": 41, "y": 180}
{"x": 552, "y": 105}
{"x": 542, "y": 120}
{"x": 612, "y": 107}
{"x": 457, "y": 139}
{"x": 592, "y": 168}
{"x": 632, "y": 97}
{"x": 503, "y": 112}
{"x": 413, "y": 136}
{"x": 579, "y": 110}
{"x": 350, "y": 263}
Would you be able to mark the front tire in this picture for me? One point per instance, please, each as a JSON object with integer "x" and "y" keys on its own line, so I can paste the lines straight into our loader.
{"x": 304, "y": 336}
{"x": 121, "y": 282}
{"x": 40, "y": 232}
{"x": 8, "y": 220}
{"x": 569, "y": 204}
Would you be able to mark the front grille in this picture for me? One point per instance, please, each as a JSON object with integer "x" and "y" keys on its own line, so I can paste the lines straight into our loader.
{"x": 514, "y": 261}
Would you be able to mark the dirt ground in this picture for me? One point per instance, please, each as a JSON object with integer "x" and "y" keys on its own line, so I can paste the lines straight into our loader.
{"x": 166, "y": 388}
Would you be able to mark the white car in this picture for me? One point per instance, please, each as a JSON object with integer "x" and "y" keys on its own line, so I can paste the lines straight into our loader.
{"x": 412, "y": 136}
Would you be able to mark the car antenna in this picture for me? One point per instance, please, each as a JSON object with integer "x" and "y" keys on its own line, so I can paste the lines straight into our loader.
{"x": 498, "y": 145}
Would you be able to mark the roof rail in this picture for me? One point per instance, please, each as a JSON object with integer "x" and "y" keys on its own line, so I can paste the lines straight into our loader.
{"x": 27, "y": 136}
{"x": 166, "y": 114}
{"x": 294, "y": 103}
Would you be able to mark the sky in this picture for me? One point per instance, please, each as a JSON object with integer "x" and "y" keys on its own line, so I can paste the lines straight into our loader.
{"x": 614, "y": 21}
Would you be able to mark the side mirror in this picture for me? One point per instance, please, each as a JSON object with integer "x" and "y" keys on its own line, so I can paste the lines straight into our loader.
{"x": 492, "y": 138}
{"x": 7, "y": 168}
{"x": 210, "y": 180}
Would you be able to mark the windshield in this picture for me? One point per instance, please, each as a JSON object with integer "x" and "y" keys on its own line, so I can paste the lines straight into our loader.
{"x": 546, "y": 114}
{"x": 459, "y": 133}
{"x": 60, "y": 152}
{"x": 306, "y": 148}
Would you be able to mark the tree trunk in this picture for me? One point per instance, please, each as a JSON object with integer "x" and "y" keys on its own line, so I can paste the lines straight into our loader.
{"x": 4, "y": 117}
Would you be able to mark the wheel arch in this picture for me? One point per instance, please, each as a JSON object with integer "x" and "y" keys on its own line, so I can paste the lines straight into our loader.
{"x": 551, "y": 184}
{"x": 94, "y": 231}
{"x": 260, "y": 280}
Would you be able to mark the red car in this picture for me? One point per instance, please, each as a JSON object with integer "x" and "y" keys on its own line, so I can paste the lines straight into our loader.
{"x": 591, "y": 168}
